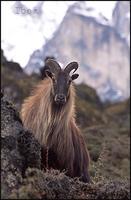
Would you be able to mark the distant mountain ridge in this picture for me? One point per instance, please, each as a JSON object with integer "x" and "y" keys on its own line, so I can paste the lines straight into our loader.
{"x": 103, "y": 55}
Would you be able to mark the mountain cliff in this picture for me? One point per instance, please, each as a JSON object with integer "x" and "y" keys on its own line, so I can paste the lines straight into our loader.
{"x": 121, "y": 19}
{"x": 103, "y": 55}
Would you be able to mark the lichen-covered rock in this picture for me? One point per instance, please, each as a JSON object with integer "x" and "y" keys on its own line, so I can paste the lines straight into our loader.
{"x": 19, "y": 149}
{"x": 30, "y": 149}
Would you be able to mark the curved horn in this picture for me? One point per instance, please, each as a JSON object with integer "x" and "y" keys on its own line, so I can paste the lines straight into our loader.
{"x": 52, "y": 65}
{"x": 71, "y": 66}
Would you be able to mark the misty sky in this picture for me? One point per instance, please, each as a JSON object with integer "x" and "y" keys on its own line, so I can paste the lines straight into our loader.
{"x": 21, "y": 35}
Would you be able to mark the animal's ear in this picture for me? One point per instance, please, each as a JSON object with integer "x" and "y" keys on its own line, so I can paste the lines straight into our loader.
{"x": 74, "y": 76}
{"x": 48, "y": 73}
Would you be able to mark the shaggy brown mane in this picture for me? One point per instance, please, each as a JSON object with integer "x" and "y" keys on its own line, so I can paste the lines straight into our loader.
{"x": 55, "y": 127}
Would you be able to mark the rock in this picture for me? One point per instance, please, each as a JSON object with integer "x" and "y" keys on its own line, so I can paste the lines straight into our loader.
{"x": 121, "y": 19}
{"x": 19, "y": 149}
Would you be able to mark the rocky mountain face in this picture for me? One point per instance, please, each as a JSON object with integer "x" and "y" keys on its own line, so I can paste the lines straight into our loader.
{"x": 102, "y": 54}
{"x": 121, "y": 19}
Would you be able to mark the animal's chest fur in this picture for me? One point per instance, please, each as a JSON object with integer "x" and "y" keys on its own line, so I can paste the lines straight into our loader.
{"x": 59, "y": 141}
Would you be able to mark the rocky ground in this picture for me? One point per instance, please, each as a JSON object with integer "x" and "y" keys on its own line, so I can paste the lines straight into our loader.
{"x": 21, "y": 174}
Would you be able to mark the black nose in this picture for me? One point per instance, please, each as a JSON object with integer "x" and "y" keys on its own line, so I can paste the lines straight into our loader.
{"x": 60, "y": 98}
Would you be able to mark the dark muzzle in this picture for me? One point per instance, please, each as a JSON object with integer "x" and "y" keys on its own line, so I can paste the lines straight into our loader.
{"x": 60, "y": 99}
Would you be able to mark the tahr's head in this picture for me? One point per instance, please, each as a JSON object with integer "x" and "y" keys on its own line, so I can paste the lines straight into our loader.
{"x": 61, "y": 79}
